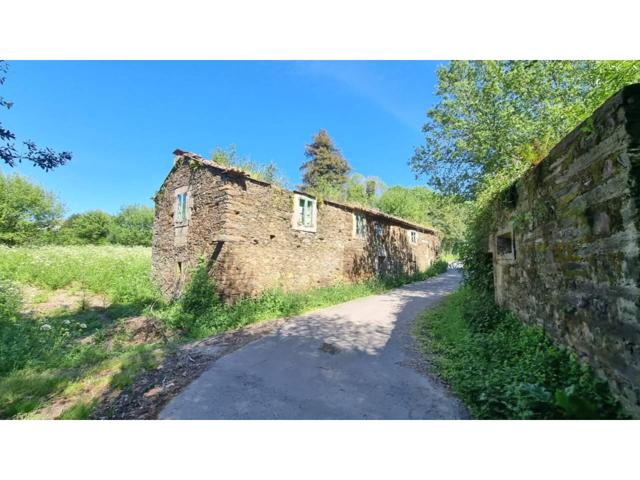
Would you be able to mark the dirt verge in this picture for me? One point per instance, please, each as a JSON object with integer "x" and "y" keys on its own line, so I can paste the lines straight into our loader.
{"x": 181, "y": 365}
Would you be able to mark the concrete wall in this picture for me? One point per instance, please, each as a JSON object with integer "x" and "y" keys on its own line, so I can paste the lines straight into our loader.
{"x": 573, "y": 265}
{"x": 243, "y": 229}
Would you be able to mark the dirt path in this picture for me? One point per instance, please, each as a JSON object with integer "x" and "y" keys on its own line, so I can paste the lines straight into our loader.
{"x": 356, "y": 360}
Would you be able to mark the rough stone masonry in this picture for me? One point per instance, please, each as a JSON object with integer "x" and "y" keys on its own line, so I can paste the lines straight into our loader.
{"x": 254, "y": 236}
{"x": 566, "y": 246}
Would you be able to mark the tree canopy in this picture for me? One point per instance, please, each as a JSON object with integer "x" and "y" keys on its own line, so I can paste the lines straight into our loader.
{"x": 326, "y": 168}
{"x": 133, "y": 225}
{"x": 27, "y": 211}
{"x": 496, "y": 118}
{"x": 44, "y": 158}
{"x": 445, "y": 213}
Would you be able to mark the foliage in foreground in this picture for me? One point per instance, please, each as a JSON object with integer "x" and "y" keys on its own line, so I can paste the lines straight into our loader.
{"x": 198, "y": 313}
{"x": 503, "y": 369}
{"x": 44, "y": 158}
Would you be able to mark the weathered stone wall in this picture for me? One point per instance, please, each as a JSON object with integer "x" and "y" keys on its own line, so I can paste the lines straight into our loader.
{"x": 178, "y": 247}
{"x": 268, "y": 253}
{"x": 574, "y": 264}
{"x": 243, "y": 229}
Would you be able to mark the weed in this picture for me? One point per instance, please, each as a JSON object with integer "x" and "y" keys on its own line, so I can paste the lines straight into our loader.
{"x": 502, "y": 368}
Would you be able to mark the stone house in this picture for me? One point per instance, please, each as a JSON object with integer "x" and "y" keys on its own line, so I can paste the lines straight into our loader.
{"x": 566, "y": 244}
{"x": 254, "y": 236}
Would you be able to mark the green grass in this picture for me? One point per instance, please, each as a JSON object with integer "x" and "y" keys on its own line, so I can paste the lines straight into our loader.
{"x": 121, "y": 273}
{"x": 58, "y": 364}
{"x": 61, "y": 354}
{"x": 503, "y": 369}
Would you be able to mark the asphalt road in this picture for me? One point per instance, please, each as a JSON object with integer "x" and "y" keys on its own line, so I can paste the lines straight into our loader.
{"x": 356, "y": 360}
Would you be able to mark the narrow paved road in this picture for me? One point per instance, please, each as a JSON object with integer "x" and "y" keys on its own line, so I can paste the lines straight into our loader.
{"x": 356, "y": 360}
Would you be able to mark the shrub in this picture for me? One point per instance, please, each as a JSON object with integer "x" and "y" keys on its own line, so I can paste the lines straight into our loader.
{"x": 502, "y": 368}
{"x": 89, "y": 228}
{"x": 199, "y": 296}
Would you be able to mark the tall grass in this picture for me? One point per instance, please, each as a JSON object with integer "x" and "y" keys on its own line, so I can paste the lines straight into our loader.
{"x": 121, "y": 273}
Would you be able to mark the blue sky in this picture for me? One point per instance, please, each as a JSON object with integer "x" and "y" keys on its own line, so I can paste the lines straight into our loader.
{"x": 122, "y": 120}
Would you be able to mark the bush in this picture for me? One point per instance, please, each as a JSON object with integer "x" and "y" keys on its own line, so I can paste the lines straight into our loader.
{"x": 503, "y": 369}
{"x": 89, "y": 228}
{"x": 133, "y": 225}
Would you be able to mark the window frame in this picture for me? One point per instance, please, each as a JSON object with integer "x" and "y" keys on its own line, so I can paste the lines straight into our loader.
{"x": 299, "y": 213}
{"x": 413, "y": 237}
{"x": 182, "y": 208}
{"x": 363, "y": 223}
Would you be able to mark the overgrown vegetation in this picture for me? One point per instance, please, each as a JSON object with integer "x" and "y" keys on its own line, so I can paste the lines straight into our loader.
{"x": 266, "y": 172}
{"x": 199, "y": 314}
{"x": 493, "y": 121}
{"x": 503, "y": 369}
{"x": 57, "y": 358}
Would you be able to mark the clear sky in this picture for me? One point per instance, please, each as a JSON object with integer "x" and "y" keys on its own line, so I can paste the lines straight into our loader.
{"x": 122, "y": 120}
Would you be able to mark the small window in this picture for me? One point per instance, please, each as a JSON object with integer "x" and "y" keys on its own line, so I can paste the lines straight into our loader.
{"x": 505, "y": 247}
{"x": 304, "y": 217}
{"x": 181, "y": 208}
{"x": 413, "y": 237}
{"x": 359, "y": 225}
{"x": 377, "y": 228}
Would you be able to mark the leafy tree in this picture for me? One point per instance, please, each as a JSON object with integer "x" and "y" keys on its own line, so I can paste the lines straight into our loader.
{"x": 496, "y": 118}
{"x": 419, "y": 204}
{"x": 44, "y": 158}
{"x": 133, "y": 225}
{"x": 91, "y": 227}
{"x": 362, "y": 190}
{"x": 326, "y": 168}
{"x": 27, "y": 211}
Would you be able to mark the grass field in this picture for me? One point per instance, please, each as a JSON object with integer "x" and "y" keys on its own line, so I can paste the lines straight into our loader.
{"x": 71, "y": 317}
{"x": 70, "y": 341}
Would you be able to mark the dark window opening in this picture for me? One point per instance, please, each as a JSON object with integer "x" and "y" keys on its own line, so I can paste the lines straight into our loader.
{"x": 505, "y": 245}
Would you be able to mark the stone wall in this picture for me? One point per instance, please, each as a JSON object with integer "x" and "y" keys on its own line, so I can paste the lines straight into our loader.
{"x": 242, "y": 228}
{"x": 268, "y": 253}
{"x": 177, "y": 248}
{"x": 566, "y": 250}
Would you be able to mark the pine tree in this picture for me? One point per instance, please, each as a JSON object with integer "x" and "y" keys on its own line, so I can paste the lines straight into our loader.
{"x": 326, "y": 168}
